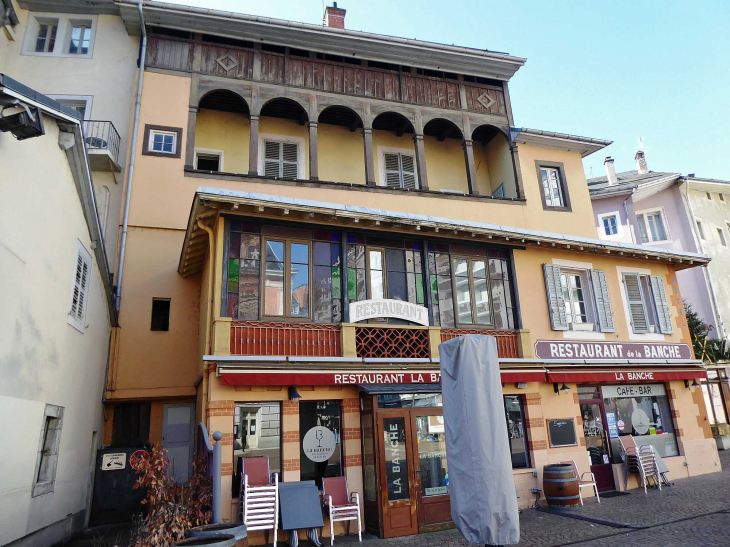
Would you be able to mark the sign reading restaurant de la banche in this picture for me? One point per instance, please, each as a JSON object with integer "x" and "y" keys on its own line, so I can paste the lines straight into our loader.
{"x": 381, "y": 308}
{"x": 551, "y": 350}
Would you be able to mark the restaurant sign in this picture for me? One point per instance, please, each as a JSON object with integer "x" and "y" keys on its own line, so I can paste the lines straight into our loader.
{"x": 558, "y": 350}
{"x": 382, "y": 308}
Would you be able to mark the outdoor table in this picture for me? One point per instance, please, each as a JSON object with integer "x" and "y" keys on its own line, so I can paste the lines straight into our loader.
{"x": 300, "y": 509}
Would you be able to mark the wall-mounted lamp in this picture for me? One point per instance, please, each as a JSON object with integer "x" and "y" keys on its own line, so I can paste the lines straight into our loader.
{"x": 693, "y": 384}
{"x": 521, "y": 385}
{"x": 294, "y": 396}
{"x": 561, "y": 388}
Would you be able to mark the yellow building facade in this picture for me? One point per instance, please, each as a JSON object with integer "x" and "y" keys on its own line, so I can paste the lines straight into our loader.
{"x": 307, "y": 226}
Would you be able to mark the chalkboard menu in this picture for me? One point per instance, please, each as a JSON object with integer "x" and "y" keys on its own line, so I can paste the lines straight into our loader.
{"x": 562, "y": 432}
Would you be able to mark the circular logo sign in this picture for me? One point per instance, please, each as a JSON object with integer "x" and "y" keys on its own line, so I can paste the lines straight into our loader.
{"x": 640, "y": 421}
{"x": 621, "y": 425}
{"x": 319, "y": 444}
{"x": 137, "y": 457}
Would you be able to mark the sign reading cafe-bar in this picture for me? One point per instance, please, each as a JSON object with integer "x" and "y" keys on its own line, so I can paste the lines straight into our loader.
{"x": 575, "y": 349}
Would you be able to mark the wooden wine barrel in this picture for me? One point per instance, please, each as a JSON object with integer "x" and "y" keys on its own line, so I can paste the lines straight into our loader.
{"x": 560, "y": 485}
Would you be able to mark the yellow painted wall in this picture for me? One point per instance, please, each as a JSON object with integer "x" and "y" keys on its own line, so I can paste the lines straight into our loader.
{"x": 481, "y": 163}
{"x": 445, "y": 164}
{"x": 389, "y": 140}
{"x": 501, "y": 169}
{"x": 341, "y": 154}
{"x": 290, "y": 128}
{"x": 227, "y": 131}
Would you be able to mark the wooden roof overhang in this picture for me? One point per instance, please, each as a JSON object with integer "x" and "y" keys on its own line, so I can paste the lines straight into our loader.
{"x": 210, "y": 202}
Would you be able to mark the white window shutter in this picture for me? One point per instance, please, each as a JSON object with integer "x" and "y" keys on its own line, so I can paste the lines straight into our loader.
{"x": 80, "y": 289}
{"x": 409, "y": 172}
{"x": 392, "y": 171}
{"x": 272, "y": 158}
{"x": 637, "y": 309}
{"x": 556, "y": 302}
{"x": 289, "y": 160}
{"x": 661, "y": 303}
{"x": 604, "y": 313}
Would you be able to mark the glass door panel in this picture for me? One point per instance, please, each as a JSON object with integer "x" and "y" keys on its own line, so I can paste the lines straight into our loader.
{"x": 396, "y": 459}
{"x": 431, "y": 444}
{"x": 597, "y": 445}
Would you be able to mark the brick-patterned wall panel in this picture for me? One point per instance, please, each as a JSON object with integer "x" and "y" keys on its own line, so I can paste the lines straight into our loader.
{"x": 537, "y": 445}
{"x": 289, "y": 408}
{"x": 350, "y": 405}
{"x": 533, "y": 399}
{"x": 290, "y": 436}
{"x": 353, "y": 460}
{"x": 226, "y": 469}
{"x": 351, "y": 433}
{"x": 290, "y": 465}
{"x": 221, "y": 408}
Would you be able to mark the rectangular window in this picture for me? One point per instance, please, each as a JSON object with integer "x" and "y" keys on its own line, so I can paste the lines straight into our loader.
{"x": 327, "y": 282}
{"x": 160, "y": 314}
{"x": 286, "y": 278}
{"x": 472, "y": 292}
{"x": 281, "y": 159}
{"x": 721, "y": 235}
{"x": 131, "y": 424}
{"x": 648, "y": 303}
{"x": 46, "y": 37}
{"x": 400, "y": 171}
{"x": 652, "y": 227}
{"x": 209, "y": 160}
{"x": 722, "y": 197}
{"x": 575, "y": 294}
{"x": 709, "y": 196}
{"x": 314, "y": 415}
{"x": 163, "y": 142}
{"x": 714, "y": 402}
{"x": 701, "y": 229}
{"x": 256, "y": 432}
{"x": 552, "y": 187}
{"x": 647, "y": 418}
{"x": 441, "y": 289}
{"x": 80, "y": 289}
{"x": 515, "y": 415}
{"x": 610, "y": 225}
{"x": 47, "y": 460}
{"x": 80, "y": 38}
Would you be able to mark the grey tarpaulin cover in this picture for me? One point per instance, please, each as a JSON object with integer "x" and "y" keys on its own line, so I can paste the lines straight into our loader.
{"x": 481, "y": 486}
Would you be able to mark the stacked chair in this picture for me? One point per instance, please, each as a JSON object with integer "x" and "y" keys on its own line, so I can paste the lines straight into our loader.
{"x": 339, "y": 505}
{"x": 259, "y": 496}
{"x": 640, "y": 461}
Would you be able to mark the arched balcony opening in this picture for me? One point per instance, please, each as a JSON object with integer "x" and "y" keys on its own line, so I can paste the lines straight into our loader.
{"x": 394, "y": 152}
{"x": 283, "y": 140}
{"x": 494, "y": 162}
{"x": 339, "y": 135}
{"x": 444, "y": 151}
{"x": 222, "y": 133}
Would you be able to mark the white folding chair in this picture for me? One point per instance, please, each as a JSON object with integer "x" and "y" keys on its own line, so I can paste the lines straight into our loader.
{"x": 340, "y": 506}
{"x": 583, "y": 483}
{"x": 259, "y": 496}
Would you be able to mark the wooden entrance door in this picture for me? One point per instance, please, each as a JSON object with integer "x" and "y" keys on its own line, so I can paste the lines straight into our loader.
{"x": 432, "y": 475}
{"x": 397, "y": 476}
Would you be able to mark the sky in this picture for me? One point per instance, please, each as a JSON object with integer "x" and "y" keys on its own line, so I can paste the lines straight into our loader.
{"x": 615, "y": 70}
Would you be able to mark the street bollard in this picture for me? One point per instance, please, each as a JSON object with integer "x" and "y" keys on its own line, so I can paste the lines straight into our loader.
{"x": 217, "y": 436}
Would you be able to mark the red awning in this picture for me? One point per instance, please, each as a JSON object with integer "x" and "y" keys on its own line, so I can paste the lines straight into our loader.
{"x": 627, "y": 376}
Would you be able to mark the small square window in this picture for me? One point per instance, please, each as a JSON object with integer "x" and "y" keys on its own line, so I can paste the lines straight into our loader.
{"x": 709, "y": 196}
{"x": 209, "y": 161}
{"x": 46, "y": 37}
{"x": 163, "y": 142}
{"x": 160, "y": 314}
{"x": 721, "y": 235}
{"x": 610, "y": 225}
{"x": 80, "y": 38}
{"x": 701, "y": 229}
{"x": 722, "y": 197}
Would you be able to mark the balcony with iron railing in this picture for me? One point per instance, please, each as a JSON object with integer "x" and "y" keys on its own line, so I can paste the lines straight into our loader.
{"x": 102, "y": 144}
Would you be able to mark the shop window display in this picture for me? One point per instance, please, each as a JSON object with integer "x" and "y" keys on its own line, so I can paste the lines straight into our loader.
{"x": 320, "y": 440}
{"x": 256, "y": 432}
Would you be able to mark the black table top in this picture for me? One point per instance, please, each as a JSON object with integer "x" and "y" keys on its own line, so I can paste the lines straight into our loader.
{"x": 299, "y": 505}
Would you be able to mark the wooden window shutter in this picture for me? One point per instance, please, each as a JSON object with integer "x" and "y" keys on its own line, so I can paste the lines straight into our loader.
{"x": 637, "y": 309}
{"x": 272, "y": 159}
{"x": 556, "y": 302}
{"x": 604, "y": 313}
{"x": 661, "y": 303}
{"x": 392, "y": 170}
{"x": 289, "y": 160}
{"x": 80, "y": 290}
{"x": 409, "y": 171}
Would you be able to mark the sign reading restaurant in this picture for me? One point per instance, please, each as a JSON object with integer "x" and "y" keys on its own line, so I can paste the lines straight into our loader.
{"x": 382, "y": 308}
{"x": 552, "y": 350}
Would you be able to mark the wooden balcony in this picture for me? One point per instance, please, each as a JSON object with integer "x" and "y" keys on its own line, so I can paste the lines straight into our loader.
{"x": 295, "y": 339}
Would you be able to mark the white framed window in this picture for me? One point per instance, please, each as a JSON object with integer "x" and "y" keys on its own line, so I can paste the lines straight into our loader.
{"x": 397, "y": 168}
{"x": 162, "y": 142}
{"x": 47, "y": 459}
{"x": 552, "y": 187}
{"x": 721, "y": 235}
{"x": 647, "y": 301}
{"x": 60, "y": 35}
{"x": 208, "y": 159}
{"x": 80, "y": 289}
{"x": 701, "y": 230}
{"x": 652, "y": 226}
{"x": 576, "y": 291}
{"x": 281, "y": 156}
{"x": 609, "y": 225}
{"x": 80, "y": 103}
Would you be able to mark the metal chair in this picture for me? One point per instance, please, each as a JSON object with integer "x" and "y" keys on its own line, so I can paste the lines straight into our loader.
{"x": 259, "y": 496}
{"x": 340, "y": 506}
{"x": 583, "y": 483}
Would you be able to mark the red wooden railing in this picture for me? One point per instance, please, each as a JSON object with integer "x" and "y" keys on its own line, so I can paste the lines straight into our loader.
{"x": 296, "y": 339}
{"x": 507, "y": 341}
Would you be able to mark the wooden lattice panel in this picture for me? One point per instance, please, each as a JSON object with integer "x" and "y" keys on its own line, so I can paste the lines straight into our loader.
{"x": 296, "y": 339}
{"x": 392, "y": 342}
{"x": 507, "y": 343}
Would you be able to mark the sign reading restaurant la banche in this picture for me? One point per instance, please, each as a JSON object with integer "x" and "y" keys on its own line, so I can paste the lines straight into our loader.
{"x": 587, "y": 350}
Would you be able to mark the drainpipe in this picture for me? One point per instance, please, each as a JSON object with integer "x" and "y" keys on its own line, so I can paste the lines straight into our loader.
{"x": 130, "y": 165}
{"x": 209, "y": 315}
{"x": 626, "y": 212}
{"x": 706, "y": 269}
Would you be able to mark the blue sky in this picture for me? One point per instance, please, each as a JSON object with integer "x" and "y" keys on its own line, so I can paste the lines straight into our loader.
{"x": 615, "y": 70}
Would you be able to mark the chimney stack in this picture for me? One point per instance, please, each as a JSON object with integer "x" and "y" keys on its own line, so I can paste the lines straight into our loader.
{"x": 641, "y": 166}
{"x": 610, "y": 171}
{"x": 334, "y": 16}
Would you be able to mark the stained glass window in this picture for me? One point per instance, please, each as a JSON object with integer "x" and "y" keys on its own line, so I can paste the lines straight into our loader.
{"x": 244, "y": 269}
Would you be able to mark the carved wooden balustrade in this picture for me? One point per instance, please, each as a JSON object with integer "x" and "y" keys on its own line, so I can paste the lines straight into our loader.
{"x": 296, "y": 339}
